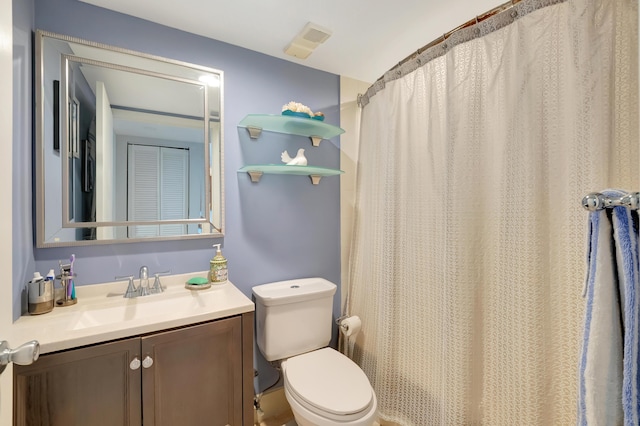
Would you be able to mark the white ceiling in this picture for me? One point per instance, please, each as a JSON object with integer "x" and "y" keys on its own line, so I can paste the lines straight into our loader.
{"x": 368, "y": 36}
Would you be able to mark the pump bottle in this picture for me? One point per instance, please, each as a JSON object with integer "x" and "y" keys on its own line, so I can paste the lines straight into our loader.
{"x": 218, "y": 272}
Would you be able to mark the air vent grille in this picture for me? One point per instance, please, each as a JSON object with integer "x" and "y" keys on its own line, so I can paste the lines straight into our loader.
{"x": 315, "y": 35}
{"x": 307, "y": 40}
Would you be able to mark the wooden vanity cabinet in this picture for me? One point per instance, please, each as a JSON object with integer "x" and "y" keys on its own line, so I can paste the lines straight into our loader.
{"x": 88, "y": 386}
{"x": 196, "y": 375}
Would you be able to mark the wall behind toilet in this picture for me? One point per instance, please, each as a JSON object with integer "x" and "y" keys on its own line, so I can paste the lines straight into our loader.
{"x": 280, "y": 228}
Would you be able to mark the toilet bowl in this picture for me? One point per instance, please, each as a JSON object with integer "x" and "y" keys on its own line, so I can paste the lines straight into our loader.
{"x": 293, "y": 327}
{"x": 325, "y": 388}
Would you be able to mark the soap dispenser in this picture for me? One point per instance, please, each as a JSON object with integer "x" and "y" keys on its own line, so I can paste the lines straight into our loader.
{"x": 218, "y": 267}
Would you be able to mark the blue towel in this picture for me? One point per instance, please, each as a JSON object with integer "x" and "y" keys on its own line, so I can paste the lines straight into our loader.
{"x": 609, "y": 383}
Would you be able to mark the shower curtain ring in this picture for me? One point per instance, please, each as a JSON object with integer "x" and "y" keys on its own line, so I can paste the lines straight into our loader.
{"x": 476, "y": 28}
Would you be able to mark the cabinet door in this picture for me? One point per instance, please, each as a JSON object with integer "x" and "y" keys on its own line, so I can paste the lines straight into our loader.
{"x": 88, "y": 386}
{"x": 196, "y": 375}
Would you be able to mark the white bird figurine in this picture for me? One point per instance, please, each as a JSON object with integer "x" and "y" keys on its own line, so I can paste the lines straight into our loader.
{"x": 298, "y": 160}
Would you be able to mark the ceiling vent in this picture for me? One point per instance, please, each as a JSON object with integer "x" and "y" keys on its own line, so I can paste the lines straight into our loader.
{"x": 307, "y": 40}
{"x": 314, "y": 33}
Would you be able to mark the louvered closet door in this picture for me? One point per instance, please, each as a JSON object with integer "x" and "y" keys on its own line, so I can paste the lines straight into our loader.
{"x": 157, "y": 189}
{"x": 174, "y": 191}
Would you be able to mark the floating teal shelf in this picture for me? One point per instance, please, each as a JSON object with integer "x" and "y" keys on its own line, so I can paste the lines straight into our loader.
{"x": 315, "y": 173}
{"x": 314, "y": 129}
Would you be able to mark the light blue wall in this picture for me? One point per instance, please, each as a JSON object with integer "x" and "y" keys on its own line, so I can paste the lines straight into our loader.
{"x": 280, "y": 228}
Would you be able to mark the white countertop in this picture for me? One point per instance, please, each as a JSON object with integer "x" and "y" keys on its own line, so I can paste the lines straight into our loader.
{"x": 102, "y": 314}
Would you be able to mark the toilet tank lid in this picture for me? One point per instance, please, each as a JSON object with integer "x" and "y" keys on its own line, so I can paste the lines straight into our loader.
{"x": 293, "y": 291}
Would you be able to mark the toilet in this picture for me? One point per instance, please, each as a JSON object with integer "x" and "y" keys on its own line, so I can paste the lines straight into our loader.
{"x": 293, "y": 326}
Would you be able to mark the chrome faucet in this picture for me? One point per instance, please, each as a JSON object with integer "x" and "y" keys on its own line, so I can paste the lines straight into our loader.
{"x": 144, "y": 281}
{"x": 143, "y": 288}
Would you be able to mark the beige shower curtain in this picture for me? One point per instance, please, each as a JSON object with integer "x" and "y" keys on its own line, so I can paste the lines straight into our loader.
{"x": 468, "y": 252}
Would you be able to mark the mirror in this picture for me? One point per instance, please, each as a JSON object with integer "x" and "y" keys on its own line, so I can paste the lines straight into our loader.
{"x": 128, "y": 145}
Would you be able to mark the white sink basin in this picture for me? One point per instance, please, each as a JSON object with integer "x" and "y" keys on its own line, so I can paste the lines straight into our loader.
{"x": 179, "y": 303}
{"x": 144, "y": 307}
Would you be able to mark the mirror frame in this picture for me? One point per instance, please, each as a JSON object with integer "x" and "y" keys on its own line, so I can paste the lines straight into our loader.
{"x": 215, "y": 231}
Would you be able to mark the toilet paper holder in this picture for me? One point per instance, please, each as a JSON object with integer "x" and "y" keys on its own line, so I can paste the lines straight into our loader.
{"x": 349, "y": 327}
{"x": 344, "y": 325}
{"x": 339, "y": 322}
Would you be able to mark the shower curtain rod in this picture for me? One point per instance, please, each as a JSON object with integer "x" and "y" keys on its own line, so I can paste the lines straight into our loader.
{"x": 597, "y": 201}
{"x": 445, "y": 36}
{"x": 490, "y": 21}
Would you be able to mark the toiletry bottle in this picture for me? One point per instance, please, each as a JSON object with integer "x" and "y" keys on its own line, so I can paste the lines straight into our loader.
{"x": 218, "y": 267}
{"x": 50, "y": 280}
{"x": 33, "y": 293}
{"x": 40, "y": 294}
{"x": 50, "y": 288}
{"x": 51, "y": 276}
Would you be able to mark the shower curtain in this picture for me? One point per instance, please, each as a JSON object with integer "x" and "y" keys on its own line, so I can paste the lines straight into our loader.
{"x": 468, "y": 262}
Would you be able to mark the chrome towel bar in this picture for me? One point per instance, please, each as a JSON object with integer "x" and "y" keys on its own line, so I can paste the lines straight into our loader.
{"x": 597, "y": 201}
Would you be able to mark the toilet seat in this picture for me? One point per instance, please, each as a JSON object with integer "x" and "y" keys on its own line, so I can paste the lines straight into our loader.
{"x": 329, "y": 384}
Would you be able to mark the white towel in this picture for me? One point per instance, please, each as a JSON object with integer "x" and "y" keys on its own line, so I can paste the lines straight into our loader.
{"x": 608, "y": 389}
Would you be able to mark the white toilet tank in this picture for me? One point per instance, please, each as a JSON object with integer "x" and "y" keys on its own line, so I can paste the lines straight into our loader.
{"x": 293, "y": 317}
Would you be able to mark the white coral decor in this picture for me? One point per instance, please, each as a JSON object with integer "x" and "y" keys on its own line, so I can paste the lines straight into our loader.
{"x": 297, "y": 107}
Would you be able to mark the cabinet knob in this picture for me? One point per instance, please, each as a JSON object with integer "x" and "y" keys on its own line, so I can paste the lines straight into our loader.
{"x": 147, "y": 362}
{"x": 135, "y": 364}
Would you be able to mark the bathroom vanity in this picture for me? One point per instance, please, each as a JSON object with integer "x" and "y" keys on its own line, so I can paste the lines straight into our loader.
{"x": 179, "y": 357}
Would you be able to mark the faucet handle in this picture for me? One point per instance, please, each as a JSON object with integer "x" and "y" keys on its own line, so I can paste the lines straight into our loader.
{"x": 123, "y": 277}
{"x": 157, "y": 286}
{"x": 132, "y": 291}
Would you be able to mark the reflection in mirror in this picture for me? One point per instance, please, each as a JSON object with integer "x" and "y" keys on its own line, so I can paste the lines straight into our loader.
{"x": 137, "y": 151}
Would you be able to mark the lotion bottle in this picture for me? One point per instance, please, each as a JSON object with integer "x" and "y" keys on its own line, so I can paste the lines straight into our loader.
{"x": 218, "y": 272}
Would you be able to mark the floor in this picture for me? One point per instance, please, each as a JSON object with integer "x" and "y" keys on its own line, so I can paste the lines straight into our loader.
{"x": 275, "y": 411}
